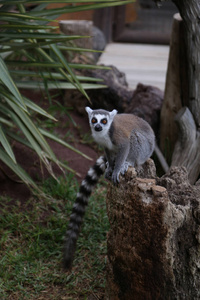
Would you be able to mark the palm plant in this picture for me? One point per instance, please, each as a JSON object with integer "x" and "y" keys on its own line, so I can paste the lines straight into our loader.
{"x": 31, "y": 56}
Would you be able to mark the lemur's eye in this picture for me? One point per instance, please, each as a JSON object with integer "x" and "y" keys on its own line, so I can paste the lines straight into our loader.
{"x": 104, "y": 121}
{"x": 94, "y": 120}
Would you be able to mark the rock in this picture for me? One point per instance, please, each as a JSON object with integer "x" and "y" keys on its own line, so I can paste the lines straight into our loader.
{"x": 146, "y": 103}
{"x": 116, "y": 96}
{"x": 98, "y": 42}
{"x": 78, "y": 27}
{"x": 96, "y": 39}
{"x": 154, "y": 238}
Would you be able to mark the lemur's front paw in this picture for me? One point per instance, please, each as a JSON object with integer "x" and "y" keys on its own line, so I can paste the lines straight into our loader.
{"x": 124, "y": 168}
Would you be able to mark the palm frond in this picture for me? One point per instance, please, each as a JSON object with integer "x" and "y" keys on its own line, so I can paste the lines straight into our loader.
{"x": 32, "y": 56}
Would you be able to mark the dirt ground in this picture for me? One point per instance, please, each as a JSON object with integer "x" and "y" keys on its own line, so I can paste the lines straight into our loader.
{"x": 30, "y": 162}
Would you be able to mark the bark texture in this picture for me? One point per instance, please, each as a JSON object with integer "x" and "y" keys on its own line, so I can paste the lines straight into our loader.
{"x": 183, "y": 89}
{"x": 190, "y": 13}
{"x": 186, "y": 152}
{"x": 172, "y": 97}
{"x": 154, "y": 238}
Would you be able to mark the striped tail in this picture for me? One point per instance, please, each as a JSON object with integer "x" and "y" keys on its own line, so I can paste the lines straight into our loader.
{"x": 78, "y": 210}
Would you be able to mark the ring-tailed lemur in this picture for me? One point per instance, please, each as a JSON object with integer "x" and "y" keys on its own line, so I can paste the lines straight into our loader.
{"x": 128, "y": 141}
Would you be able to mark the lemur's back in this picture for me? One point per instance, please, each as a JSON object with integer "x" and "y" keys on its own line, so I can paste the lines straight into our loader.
{"x": 125, "y": 125}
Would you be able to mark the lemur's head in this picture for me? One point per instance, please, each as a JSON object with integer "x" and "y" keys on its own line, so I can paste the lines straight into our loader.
{"x": 100, "y": 119}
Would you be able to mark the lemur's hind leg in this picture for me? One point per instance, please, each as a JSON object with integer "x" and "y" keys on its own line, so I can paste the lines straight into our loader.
{"x": 108, "y": 172}
{"x": 109, "y": 165}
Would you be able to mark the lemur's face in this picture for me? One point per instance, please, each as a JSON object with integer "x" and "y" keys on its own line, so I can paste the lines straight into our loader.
{"x": 100, "y": 119}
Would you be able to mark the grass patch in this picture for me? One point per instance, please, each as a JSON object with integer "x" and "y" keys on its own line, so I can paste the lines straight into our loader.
{"x": 31, "y": 241}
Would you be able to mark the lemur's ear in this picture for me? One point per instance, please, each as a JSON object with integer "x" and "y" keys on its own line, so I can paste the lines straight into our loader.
{"x": 89, "y": 110}
{"x": 113, "y": 113}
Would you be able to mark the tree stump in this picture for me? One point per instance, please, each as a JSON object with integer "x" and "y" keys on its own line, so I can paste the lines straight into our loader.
{"x": 154, "y": 238}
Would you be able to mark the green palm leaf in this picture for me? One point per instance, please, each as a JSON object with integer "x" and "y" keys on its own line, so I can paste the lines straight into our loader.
{"x": 6, "y": 145}
{"x": 49, "y": 1}
{"x": 17, "y": 169}
{"x": 16, "y": 16}
{"x": 60, "y": 141}
{"x": 6, "y": 79}
{"x": 70, "y": 9}
{"x": 31, "y": 56}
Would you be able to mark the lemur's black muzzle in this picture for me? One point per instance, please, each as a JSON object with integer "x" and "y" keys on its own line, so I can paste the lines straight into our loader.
{"x": 98, "y": 127}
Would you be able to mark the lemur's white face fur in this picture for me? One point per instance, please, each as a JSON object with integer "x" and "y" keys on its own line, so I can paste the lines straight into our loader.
{"x": 100, "y": 121}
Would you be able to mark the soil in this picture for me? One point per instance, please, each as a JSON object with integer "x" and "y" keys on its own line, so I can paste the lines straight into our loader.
{"x": 14, "y": 188}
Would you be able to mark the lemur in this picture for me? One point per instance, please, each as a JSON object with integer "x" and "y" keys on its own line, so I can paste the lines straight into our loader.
{"x": 128, "y": 141}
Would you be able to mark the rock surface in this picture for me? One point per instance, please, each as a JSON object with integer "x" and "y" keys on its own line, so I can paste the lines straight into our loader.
{"x": 154, "y": 238}
{"x": 146, "y": 103}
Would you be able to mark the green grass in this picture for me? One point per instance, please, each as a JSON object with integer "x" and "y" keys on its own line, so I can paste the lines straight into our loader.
{"x": 31, "y": 241}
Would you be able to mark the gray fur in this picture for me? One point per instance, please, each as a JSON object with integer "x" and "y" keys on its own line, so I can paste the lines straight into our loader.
{"x": 127, "y": 139}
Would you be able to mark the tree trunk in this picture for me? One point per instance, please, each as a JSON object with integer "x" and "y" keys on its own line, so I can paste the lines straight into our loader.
{"x": 190, "y": 13}
{"x": 189, "y": 92}
{"x": 172, "y": 98}
{"x": 186, "y": 152}
{"x": 154, "y": 238}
